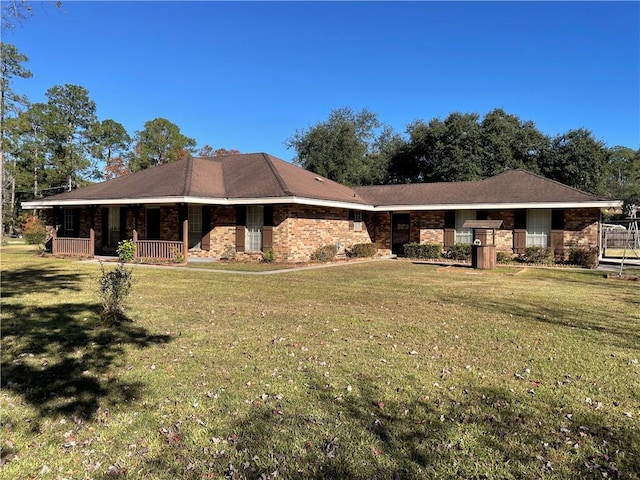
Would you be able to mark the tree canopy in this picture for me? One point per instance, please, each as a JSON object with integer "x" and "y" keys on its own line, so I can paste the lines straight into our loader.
{"x": 160, "y": 142}
{"x": 350, "y": 147}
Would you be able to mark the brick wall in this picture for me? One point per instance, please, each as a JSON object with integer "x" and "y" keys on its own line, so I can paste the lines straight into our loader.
{"x": 581, "y": 227}
{"x": 299, "y": 229}
{"x": 303, "y": 229}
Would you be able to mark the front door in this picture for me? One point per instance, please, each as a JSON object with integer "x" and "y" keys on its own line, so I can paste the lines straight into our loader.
{"x": 399, "y": 232}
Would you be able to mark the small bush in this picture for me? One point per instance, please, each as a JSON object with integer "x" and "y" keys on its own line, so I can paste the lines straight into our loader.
{"x": 537, "y": 255}
{"x": 126, "y": 250}
{"x": 424, "y": 251}
{"x": 460, "y": 252}
{"x": 229, "y": 254}
{"x": 324, "y": 253}
{"x": 34, "y": 231}
{"x": 178, "y": 256}
{"x": 363, "y": 250}
{"x": 584, "y": 256}
{"x": 269, "y": 256}
{"x": 504, "y": 257}
{"x": 114, "y": 288}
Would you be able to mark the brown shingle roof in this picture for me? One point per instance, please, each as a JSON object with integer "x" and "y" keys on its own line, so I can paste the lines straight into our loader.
{"x": 510, "y": 187}
{"x": 261, "y": 177}
{"x": 237, "y": 177}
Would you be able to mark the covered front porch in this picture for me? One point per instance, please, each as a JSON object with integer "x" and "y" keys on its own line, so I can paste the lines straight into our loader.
{"x": 91, "y": 231}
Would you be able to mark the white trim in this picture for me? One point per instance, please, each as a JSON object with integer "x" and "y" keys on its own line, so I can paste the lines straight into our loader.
{"x": 44, "y": 203}
{"x": 499, "y": 206}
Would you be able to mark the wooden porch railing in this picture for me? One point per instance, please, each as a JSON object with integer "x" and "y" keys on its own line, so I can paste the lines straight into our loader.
{"x": 76, "y": 247}
{"x": 161, "y": 250}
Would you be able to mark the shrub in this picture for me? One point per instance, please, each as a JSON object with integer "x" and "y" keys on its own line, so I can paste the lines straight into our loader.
{"x": 229, "y": 253}
{"x": 537, "y": 255}
{"x": 126, "y": 250}
{"x": 34, "y": 231}
{"x": 178, "y": 256}
{"x": 324, "y": 253}
{"x": 425, "y": 251}
{"x": 504, "y": 257}
{"x": 584, "y": 256}
{"x": 114, "y": 288}
{"x": 269, "y": 256}
{"x": 460, "y": 252}
{"x": 363, "y": 250}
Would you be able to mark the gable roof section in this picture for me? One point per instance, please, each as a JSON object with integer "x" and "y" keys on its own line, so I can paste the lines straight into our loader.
{"x": 253, "y": 178}
{"x": 511, "y": 189}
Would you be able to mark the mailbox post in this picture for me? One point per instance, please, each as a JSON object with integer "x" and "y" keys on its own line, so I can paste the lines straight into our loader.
{"x": 483, "y": 250}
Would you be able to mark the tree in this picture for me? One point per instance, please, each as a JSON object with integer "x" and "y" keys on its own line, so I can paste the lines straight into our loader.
{"x": 27, "y": 159}
{"x": 11, "y": 61}
{"x": 110, "y": 142}
{"x": 209, "y": 152}
{"x": 160, "y": 142}
{"x": 509, "y": 143}
{"x": 577, "y": 159}
{"x": 462, "y": 147}
{"x": 439, "y": 151}
{"x": 623, "y": 175}
{"x": 73, "y": 119}
{"x": 346, "y": 148}
{"x": 17, "y": 11}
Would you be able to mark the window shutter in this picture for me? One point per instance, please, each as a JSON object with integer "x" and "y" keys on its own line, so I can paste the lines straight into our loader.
{"x": 519, "y": 240}
{"x": 268, "y": 216}
{"x": 267, "y": 229}
{"x": 520, "y": 219}
{"x": 241, "y": 226}
{"x": 557, "y": 234}
{"x": 351, "y": 217}
{"x": 183, "y": 214}
{"x": 482, "y": 214}
{"x": 123, "y": 223}
{"x": 450, "y": 219}
{"x": 105, "y": 227}
{"x": 449, "y": 237}
{"x": 206, "y": 228}
{"x": 557, "y": 219}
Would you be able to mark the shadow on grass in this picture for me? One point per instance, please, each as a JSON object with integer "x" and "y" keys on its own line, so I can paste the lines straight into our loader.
{"x": 483, "y": 432}
{"x": 36, "y": 279}
{"x": 58, "y": 358}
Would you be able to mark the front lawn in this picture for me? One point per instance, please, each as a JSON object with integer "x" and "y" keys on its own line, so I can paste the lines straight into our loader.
{"x": 386, "y": 369}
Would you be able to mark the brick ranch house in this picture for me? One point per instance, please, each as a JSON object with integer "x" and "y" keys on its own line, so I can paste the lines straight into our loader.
{"x": 251, "y": 203}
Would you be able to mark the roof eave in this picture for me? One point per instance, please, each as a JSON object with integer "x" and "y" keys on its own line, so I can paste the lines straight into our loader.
{"x": 45, "y": 204}
{"x": 498, "y": 206}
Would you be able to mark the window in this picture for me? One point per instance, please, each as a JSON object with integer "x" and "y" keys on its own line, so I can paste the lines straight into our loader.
{"x": 538, "y": 228}
{"x": 357, "y": 221}
{"x": 255, "y": 222}
{"x": 464, "y": 235}
{"x": 195, "y": 226}
{"x": 114, "y": 225}
{"x": 68, "y": 224}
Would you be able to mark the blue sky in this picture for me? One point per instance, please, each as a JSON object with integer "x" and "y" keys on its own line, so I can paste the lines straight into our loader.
{"x": 248, "y": 75}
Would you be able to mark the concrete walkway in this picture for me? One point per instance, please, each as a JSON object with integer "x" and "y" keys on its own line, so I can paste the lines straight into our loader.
{"x": 241, "y": 272}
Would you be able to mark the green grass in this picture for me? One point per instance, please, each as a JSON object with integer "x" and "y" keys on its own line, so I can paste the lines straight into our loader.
{"x": 373, "y": 370}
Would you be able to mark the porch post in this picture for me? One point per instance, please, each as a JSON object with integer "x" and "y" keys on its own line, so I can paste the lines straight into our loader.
{"x": 92, "y": 242}
{"x": 54, "y": 235}
{"x": 185, "y": 238}
{"x": 135, "y": 243}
